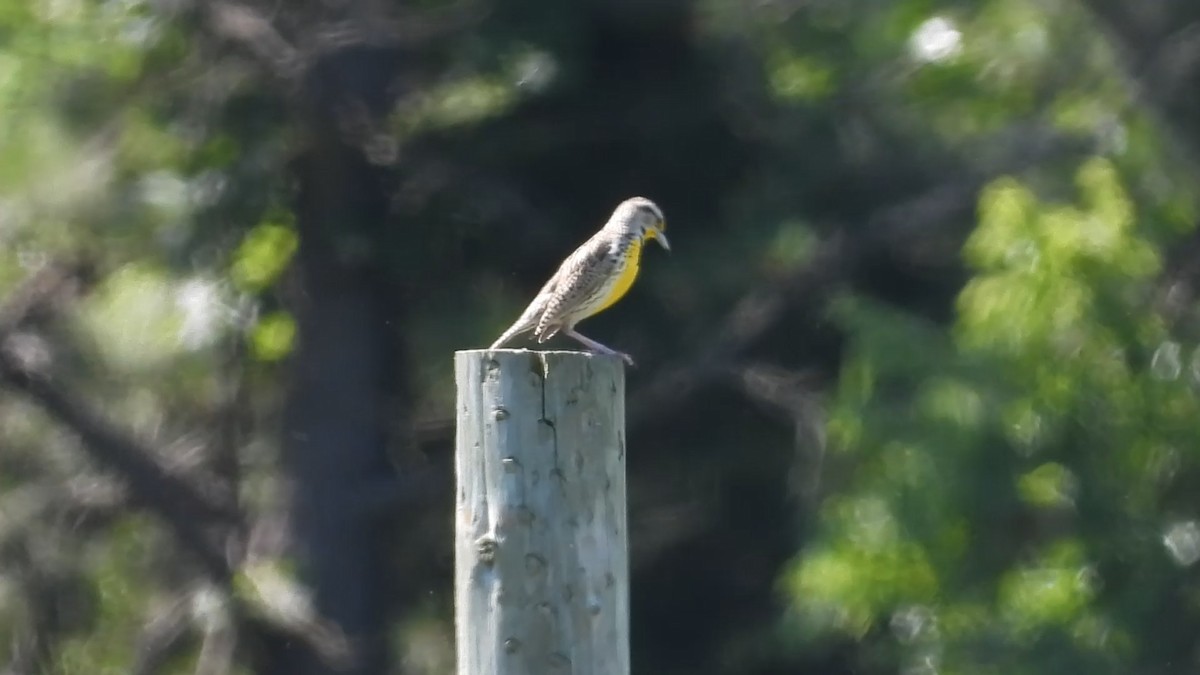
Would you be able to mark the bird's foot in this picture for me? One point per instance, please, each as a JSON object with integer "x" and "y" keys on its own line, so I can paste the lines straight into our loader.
{"x": 621, "y": 355}
{"x": 597, "y": 347}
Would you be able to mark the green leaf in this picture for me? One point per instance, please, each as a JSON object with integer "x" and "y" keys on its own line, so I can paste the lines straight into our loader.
{"x": 273, "y": 336}
{"x": 263, "y": 255}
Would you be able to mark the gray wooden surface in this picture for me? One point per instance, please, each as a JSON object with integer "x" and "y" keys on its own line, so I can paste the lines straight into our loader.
{"x": 541, "y": 557}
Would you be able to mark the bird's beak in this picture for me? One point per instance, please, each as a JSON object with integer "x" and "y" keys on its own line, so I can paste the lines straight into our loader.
{"x": 661, "y": 238}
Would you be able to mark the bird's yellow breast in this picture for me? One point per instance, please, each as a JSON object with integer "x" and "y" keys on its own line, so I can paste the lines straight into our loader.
{"x": 624, "y": 278}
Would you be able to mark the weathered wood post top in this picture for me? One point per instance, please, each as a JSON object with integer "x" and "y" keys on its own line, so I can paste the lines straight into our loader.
{"x": 541, "y": 555}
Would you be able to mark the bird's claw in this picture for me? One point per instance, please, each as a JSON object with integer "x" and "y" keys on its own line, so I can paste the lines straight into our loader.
{"x": 621, "y": 355}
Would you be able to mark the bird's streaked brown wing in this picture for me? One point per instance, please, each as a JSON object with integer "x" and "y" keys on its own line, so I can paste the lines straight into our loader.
{"x": 581, "y": 277}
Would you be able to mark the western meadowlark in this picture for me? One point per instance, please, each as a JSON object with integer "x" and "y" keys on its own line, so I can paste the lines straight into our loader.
{"x": 594, "y": 277}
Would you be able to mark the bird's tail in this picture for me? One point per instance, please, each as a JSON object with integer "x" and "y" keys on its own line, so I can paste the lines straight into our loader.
{"x": 516, "y": 329}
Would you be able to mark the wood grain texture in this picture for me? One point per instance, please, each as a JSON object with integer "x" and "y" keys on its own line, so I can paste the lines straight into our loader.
{"x": 541, "y": 555}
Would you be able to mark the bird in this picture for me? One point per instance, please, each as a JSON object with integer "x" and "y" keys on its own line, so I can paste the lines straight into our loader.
{"x": 594, "y": 277}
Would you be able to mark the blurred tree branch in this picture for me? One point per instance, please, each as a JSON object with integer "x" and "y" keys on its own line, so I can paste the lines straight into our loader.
{"x": 1160, "y": 44}
{"x": 187, "y": 511}
{"x": 250, "y": 29}
{"x": 200, "y": 523}
{"x": 366, "y": 23}
{"x": 151, "y": 485}
{"x": 162, "y": 636}
{"x": 923, "y": 228}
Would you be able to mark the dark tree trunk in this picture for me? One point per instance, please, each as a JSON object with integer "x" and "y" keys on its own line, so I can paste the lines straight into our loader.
{"x": 335, "y": 431}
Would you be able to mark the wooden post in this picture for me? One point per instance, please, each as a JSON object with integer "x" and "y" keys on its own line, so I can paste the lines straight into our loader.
{"x": 541, "y": 557}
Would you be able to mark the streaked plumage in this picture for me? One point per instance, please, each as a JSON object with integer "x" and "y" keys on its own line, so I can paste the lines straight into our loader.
{"x": 593, "y": 277}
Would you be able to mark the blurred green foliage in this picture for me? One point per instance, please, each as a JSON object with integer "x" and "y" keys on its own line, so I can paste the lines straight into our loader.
{"x": 1007, "y": 471}
{"x": 1029, "y": 458}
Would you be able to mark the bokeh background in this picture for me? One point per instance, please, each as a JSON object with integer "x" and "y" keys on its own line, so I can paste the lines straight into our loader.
{"x": 917, "y": 390}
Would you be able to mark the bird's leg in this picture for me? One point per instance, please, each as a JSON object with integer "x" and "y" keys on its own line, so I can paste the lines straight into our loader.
{"x": 596, "y": 346}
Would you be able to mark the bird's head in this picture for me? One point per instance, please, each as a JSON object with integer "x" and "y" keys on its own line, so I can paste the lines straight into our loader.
{"x": 642, "y": 218}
